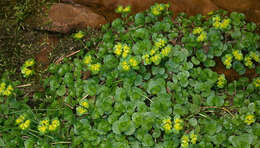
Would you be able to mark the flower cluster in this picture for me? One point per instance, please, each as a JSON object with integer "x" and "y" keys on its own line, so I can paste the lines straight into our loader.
{"x": 158, "y": 9}
{"x": 79, "y": 35}
{"x": 127, "y": 64}
{"x": 6, "y": 90}
{"x": 178, "y": 124}
{"x": 221, "y": 81}
{"x": 217, "y": 23}
{"x": 159, "y": 51}
{"x": 248, "y": 61}
{"x": 167, "y": 124}
{"x": 188, "y": 138}
{"x": 185, "y": 141}
{"x": 45, "y": 125}
{"x": 227, "y": 60}
{"x": 82, "y": 109}
{"x": 94, "y": 68}
{"x": 197, "y": 30}
{"x": 255, "y": 56}
{"x": 121, "y": 9}
{"x": 22, "y": 122}
{"x": 257, "y": 82}
{"x": 238, "y": 55}
{"x": 202, "y": 34}
{"x": 249, "y": 119}
{"x": 120, "y": 49}
{"x": 26, "y": 71}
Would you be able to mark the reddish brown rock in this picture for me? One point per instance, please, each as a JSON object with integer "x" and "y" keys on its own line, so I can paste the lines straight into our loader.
{"x": 66, "y": 17}
{"x": 107, "y": 7}
{"x": 192, "y": 7}
{"x": 251, "y": 8}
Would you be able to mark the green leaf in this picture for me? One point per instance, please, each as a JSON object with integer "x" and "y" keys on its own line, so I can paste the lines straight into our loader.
{"x": 156, "y": 86}
{"x": 148, "y": 140}
{"x": 29, "y": 143}
{"x": 193, "y": 122}
{"x": 61, "y": 91}
{"x": 139, "y": 19}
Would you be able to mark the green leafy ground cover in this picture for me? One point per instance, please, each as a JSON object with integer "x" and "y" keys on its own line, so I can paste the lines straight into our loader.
{"x": 150, "y": 85}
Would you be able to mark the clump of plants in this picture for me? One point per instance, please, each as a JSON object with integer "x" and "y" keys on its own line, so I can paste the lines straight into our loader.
{"x": 150, "y": 85}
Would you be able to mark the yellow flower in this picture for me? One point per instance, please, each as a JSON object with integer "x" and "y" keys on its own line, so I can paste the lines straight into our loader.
{"x": 227, "y": 61}
{"x": 29, "y": 63}
{"x": 44, "y": 122}
{"x": 81, "y": 110}
{"x": 167, "y": 121}
{"x": 125, "y": 66}
{"x": 95, "y": 67}
{"x": 249, "y": 119}
{"x": 166, "y": 51}
{"x": 52, "y": 127}
{"x": 167, "y": 5}
{"x": 193, "y": 138}
{"x": 156, "y": 59}
{"x": 178, "y": 126}
{"x": 54, "y": 124}
{"x": 221, "y": 81}
{"x": 167, "y": 127}
{"x": 26, "y": 71}
{"x": 197, "y": 30}
{"x": 126, "y": 51}
{"x": 152, "y": 52}
{"x": 185, "y": 141}
{"x": 202, "y": 37}
{"x": 79, "y": 35}
{"x": 42, "y": 128}
{"x": 217, "y": 24}
{"x": 155, "y": 11}
{"x": 20, "y": 119}
{"x": 237, "y": 55}
{"x": 7, "y": 93}
{"x": 133, "y": 62}
{"x": 87, "y": 59}
{"x": 216, "y": 19}
{"x": 84, "y": 104}
{"x": 257, "y": 82}
{"x": 25, "y": 125}
{"x": 119, "y": 9}
{"x": 178, "y": 120}
{"x": 160, "y": 43}
{"x": 248, "y": 61}
{"x": 2, "y": 87}
{"x": 160, "y": 7}
{"x": 146, "y": 59}
{"x": 127, "y": 9}
{"x": 255, "y": 56}
{"x": 118, "y": 49}
{"x": 225, "y": 23}
{"x": 167, "y": 124}
{"x": 210, "y": 13}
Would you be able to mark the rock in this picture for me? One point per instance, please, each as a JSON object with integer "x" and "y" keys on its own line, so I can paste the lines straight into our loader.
{"x": 107, "y": 7}
{"x": 251, "y": 8}
{"x": 66, "y": 17}
{"x": 192, "y": 7}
